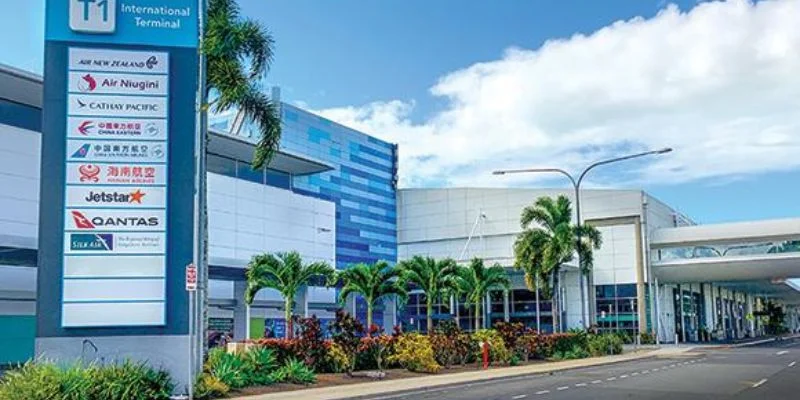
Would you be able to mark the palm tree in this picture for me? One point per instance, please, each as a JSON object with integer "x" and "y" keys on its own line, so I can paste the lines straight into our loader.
{"x": 549, "y": 240}
{"x": 238, "y": 54}
{"x": 372, "y": 282}
{"x": 435, "y": 278}
{"x": 286, "y": 273}
{"x": 475, "y": 281}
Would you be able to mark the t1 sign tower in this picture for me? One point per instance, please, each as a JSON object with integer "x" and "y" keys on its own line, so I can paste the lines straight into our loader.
{"x": 117, "y": 181}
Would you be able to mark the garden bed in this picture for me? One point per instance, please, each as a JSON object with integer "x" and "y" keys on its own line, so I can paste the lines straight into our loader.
{"x": 331, "y": 379}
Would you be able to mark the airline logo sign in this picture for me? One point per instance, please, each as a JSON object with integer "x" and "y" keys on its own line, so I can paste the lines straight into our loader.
{"x": 116, "y": 174}
{"x": 105, "y": 83}
{"x": 118, "y": 61}
{"x": 115, "y": 196}
{"x": 130, "y": 106}
{"x": 113, "y": 243}
{"x": 116, "y": 128}
{"x": 117, "y": 151}
{"x": 115, "y": 220}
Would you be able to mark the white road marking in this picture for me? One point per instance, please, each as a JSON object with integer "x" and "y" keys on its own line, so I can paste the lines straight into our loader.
{"x": 543, "y": 392}
{"x": 563, "y": 388}
{"x": 672, "y": 366}
{"x": 613, "y": 378}
{"x": 759, "y": 383}
{"x": 623, "y": 376}
{"x": 634, "y": 374}
{"x": 647, "y": 371}
{"x": 780, "y": 353}
{"x": 791, "y": 364}
{"x": 519, "y": 396}
{"x": 597, "y": 381}
{"x": 580, "y": 384}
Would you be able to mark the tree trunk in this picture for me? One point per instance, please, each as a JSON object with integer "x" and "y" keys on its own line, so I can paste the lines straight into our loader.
{"x": 555, "y": 306}
{"x": 369, "y": 316}
{"x": 477, "y": 315}
{"x": 430, "y": 315}
{"x": 288, "y": 316}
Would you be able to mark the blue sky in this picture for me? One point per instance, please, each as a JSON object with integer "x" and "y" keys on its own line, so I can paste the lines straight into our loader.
{"x": 433, "y": 75}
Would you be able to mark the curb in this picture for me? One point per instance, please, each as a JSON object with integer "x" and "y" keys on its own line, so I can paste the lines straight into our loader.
{"x": 423, "y": 384}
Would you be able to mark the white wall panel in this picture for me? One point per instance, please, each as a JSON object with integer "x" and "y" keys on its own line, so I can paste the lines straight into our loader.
{"x": 113, "y": 314}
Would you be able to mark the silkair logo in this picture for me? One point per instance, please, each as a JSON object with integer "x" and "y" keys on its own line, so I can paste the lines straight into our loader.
{"x": 87, "y": 241}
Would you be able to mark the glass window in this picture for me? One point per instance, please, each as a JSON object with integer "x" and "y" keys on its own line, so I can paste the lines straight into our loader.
{"x": 221, "y": 165}
{"x": 279, "y": 179}
{"x": 626, "y": 290}
{"x": 244, "y": 171}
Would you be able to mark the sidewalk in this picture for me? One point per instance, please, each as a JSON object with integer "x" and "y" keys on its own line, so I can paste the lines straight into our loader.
{"x": 382, "y": 387}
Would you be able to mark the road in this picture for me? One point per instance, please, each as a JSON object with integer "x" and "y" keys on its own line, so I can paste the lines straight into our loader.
{"x": 768, "y": 371}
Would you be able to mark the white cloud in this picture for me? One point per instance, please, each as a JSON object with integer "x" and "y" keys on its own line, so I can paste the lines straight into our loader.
{"x": 720, "y": 84}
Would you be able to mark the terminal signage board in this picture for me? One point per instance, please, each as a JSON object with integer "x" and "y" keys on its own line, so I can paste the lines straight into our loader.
{"x": 118, "y": 168}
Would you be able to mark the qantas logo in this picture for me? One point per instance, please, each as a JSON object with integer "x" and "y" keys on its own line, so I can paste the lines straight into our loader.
{"x": 87, "y": 83}
{"x": 82, "y": 222}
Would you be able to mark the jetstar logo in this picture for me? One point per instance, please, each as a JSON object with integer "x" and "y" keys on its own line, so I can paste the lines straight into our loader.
{"x": 82, "y": 222}
{"x": 87, "y": 83}
{"x": 93, "y": 242}
{"x": 115, "y": 197}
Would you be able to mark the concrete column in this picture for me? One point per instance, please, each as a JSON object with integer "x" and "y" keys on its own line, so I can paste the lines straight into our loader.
{"x": 301, "y": 302}
{"x": 506, "y": 316}
{"x": 641, "y": 307}
{"x": 487, "y": 310}
{"x": 241, "y": 312}
{"x": 389, "y": 313}
{"x": 751, "y": 323}
{"x": 712, "y": 321}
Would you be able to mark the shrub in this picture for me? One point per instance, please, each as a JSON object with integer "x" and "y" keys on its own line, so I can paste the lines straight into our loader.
{"x": 414, "y": 353}
{"x": 259, "y": 362}
{"x": 445, "y": 342}
{"x": 337, "y": 360}
{"x": 497, "y": 347}
{"x": 573, "y": 353}
{"x": 647, "y": 338}
{"x": 230, "y": 369}
{"x": 600, "y": 345}
{"x": 376, "y": 349}
{"x": 310, "y": 344}
{"x": 528, "y": 345}
{"x": 209, "y": 387}
{"x": 284, "y": 349}
{"x": 347, "y": 332}
{"x": 42, "y": 380}
{"x": 294, "y": 371}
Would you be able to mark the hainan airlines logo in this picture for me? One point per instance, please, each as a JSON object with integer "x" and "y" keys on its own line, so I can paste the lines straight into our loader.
{"x": 89, "y": 173}
{"x": 87, "y": 83}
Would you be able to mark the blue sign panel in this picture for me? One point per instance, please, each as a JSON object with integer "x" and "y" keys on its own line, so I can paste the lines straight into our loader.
{"x": 166, "y": 23}
{"x": 117, "y": 167}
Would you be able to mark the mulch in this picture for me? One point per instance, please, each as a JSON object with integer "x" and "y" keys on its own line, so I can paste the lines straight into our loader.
{"x": 327, "y": 380}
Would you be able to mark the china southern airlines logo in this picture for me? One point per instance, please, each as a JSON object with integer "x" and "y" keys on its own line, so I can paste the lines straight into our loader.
{"x": 82, "y": 151}
{"x": 87, "y": 83}
{"x": 88, "y": 241}
{"x": 81, "y": 222}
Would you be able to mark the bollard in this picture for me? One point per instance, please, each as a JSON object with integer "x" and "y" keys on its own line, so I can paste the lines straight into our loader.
{"x": 485, "y": 346}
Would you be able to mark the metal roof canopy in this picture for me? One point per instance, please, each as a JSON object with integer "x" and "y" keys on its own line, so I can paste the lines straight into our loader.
{"x": 242, "y": 148}
{"x": 728, "y": 233}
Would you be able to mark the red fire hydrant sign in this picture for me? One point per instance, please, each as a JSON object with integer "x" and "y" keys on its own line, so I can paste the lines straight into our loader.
{"x": 485, "y": 348}
{"x": 191, "y": 278}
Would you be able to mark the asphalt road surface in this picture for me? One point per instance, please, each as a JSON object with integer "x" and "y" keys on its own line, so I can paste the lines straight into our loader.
{"x": 766, "y": 372}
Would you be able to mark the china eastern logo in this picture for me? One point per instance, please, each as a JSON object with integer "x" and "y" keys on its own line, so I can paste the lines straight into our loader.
{"x": 91, "y": 242}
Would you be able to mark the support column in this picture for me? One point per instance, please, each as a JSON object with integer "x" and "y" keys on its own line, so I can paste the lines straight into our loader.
{"x": 487, "y": 310}
{"x": 712, "y": 322}
{"x": 751, "y": 323}
{"x": 506, "y": 316}
{"x": 301, "y": 302}
{"x": 641, "y": 307}
{"x": 241, "y": 312}
{"x": 679, "y": 312}
{"x": 389, "y": 313}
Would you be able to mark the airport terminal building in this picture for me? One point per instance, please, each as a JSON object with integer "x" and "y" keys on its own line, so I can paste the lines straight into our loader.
{"x": 331, "y": 194}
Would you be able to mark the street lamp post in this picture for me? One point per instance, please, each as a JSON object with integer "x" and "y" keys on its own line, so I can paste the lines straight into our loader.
{"x": 576, "y": 185}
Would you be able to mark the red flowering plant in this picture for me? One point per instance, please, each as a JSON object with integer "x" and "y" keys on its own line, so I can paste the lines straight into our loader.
{"x": 376, "y": 345}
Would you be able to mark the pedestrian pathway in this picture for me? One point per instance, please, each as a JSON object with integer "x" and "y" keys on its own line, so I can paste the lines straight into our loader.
{"x": 381, "y": 387}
